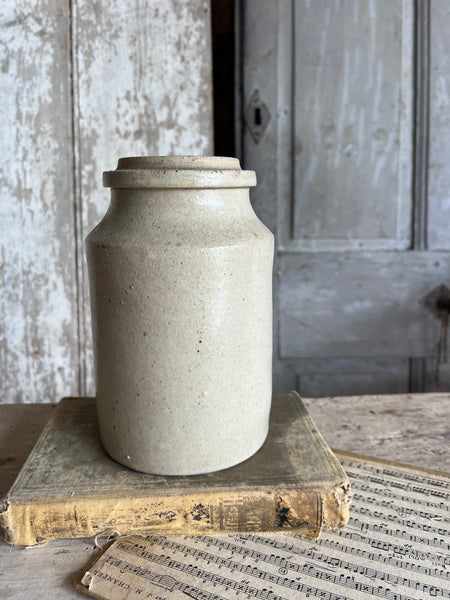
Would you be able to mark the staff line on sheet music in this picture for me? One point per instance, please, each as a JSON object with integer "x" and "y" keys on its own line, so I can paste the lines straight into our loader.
{"x": 407, "y": 487}
{"x": 408, "y": 500}
{"x": 284, "y": 563}
{"x": 355, "y": 524}
{"x": 227, "y": 583}
{"x": 165, "y": 581}
{"x": 407, "y": 523}
{"x": 396, "y": 475}
{"x": 365, "y": 476}
{"x": 336, "y": 545}
{"x": 305, "y": 569}
{"x": 390, "y": 504}
{"x": 400, "y": 520}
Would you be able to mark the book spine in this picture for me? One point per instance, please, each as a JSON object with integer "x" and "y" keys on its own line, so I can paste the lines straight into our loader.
{"x": 297, "y": 511}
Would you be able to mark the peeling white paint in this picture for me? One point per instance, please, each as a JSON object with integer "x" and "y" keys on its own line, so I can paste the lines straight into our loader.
{"x": 38, "y": 302}
{"x": 141, "y": 81}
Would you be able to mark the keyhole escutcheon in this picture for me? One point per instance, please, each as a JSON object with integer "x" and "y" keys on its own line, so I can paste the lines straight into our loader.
{"x": 256, "y": 117}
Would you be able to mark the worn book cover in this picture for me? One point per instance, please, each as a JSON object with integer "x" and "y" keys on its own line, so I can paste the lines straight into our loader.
{"x": 69, "y": 487}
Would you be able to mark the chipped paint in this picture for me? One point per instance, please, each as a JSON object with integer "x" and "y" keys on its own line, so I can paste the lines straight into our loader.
{"x": 38, "y": 304}
{"x": 136, "y": 80}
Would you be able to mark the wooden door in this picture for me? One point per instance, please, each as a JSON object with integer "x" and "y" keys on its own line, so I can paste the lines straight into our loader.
{"x": 347, "y": 124}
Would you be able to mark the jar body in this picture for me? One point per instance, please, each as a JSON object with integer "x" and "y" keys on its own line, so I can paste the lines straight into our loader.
{"x": 181, "y": 299}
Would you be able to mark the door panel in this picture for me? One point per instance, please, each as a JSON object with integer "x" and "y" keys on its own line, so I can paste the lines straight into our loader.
{"x": 358, "y": 304}
{"x": 352, "y": 123}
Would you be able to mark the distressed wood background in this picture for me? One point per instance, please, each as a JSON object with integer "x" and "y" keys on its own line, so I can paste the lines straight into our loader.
{"x": 352, "y": 159}
{"x": 351, "y": 154}
{"x": 81, "y": 84}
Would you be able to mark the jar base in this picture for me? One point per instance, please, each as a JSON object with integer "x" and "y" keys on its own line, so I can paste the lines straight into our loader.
{"x": 201, "y": 469}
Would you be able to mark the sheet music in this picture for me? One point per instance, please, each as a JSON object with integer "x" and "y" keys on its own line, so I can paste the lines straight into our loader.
{"x": 395, "y": 546}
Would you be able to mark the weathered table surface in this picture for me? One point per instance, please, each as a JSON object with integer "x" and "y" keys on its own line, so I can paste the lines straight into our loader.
{"x": 408, "y": 428}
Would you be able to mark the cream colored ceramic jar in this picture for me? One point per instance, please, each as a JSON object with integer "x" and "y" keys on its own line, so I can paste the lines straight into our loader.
{"x": 181, "y": 293}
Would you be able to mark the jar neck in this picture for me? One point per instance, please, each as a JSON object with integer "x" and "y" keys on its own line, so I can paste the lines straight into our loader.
{"x": 187, "y": 203}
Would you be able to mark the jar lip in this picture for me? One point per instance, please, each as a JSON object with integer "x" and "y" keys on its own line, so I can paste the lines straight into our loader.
{"x": 178, "y": 172}
{"x": 177, "y": 162}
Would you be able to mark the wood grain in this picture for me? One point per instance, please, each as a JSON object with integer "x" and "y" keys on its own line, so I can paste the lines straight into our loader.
{"x": 81, "y": 84}
{"x": 38, "y": 336}
{"x": 407, "y": 428}
{"x": 355, "y": 305}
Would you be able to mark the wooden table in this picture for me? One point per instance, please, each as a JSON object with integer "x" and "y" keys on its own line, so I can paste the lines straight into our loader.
{"x": 408, "y": 428}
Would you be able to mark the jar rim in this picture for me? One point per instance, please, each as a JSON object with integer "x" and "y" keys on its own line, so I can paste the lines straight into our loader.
{"x": 178, "y": 162}
{"x": 178, "y": 172}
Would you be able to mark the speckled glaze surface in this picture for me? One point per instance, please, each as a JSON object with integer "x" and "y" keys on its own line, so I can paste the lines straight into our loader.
{"x": 180, "y": 274}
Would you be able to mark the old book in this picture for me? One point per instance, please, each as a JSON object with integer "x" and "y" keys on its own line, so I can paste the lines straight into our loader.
{"x": 69, "y": 487}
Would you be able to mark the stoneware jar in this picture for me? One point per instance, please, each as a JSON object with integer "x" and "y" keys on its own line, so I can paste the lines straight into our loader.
{"x": 180, "y": 275}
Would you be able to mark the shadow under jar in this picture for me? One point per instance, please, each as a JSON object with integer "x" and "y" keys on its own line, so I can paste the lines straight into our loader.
{"x": 180, "y": 273}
